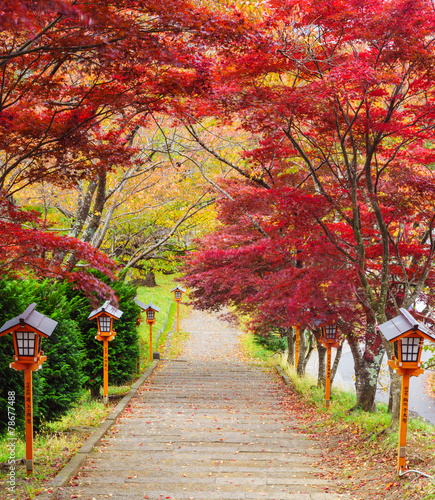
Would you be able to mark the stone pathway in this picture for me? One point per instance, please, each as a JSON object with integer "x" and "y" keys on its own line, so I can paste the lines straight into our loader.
{"x": 206, "y": 426}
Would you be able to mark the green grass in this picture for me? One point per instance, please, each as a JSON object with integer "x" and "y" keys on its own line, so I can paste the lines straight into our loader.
{"x": 259, "y": 353}
{"x": 341, "y": 401}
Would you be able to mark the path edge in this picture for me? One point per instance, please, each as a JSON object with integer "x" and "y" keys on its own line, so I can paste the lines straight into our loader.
{"x": 284, "y": 376}
{"x": 72, "y": 466}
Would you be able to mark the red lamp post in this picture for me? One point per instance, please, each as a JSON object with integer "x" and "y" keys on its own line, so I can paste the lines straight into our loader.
{"x": 27, "y": 330}
{"x": 178, "y": 295}
{"x": 297, "y": 342}
{"x": 407, "y": 336}
{"x": 105, "y": 316}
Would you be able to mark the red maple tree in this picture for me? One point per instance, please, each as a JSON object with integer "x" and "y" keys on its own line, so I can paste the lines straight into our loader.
{"x": 341, "y": 94}
{"x": 77, "y": 81}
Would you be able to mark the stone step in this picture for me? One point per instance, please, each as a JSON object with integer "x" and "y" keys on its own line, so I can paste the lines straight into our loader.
{"x": 203, "y": 428}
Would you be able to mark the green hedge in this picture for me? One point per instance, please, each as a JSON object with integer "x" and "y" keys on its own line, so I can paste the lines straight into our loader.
{"x": 74, "y": 356}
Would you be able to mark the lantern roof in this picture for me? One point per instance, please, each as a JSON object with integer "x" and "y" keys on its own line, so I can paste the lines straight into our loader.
{"x": 153, "y": 307}
{"x": 402, "y": 325}
{"x": 108, "y": 309}
{"x": 178, "y": 287}
{"x": 33, "y": 319}
{"x": 321, "y": 322}
{"x": 146, "y": 306}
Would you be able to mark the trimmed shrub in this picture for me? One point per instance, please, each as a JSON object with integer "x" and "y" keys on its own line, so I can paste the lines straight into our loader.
{"x": 273, "y": 341}
{"x": 74, "y": 356}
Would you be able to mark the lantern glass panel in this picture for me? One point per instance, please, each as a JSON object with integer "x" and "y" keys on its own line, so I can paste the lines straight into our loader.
{"x": 150, "y": 314}
{"x": 177, "y": 294}
{"x": 330, "y": 332}
{"x": 104, "y": 323}
{"x": 26, "y": 343}
{"x": 410, "y": 347}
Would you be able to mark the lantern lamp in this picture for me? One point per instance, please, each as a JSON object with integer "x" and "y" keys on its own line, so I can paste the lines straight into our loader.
{"x": 408, "y": 350}
{"x": 329, "y": 339}
{"x": 407, "y": 335}
{"x": 104, "y": 323}
{"x": 330, "y": 333}
{"x": 105, "y": 316}
{"x": 178, "y": 292}
{"x": 150, "y": 311}
{"x": 27, "y": 331}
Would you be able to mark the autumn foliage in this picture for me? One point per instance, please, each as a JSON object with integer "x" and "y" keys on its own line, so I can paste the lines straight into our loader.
{"x": 336, "y": 216}
{"x": 341, "y": 99}
{"x": 78, "y": 81}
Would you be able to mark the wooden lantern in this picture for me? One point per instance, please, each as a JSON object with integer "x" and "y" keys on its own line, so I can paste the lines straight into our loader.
{"x": 178, "y": 295}
{"x": 178, "y": 292}
{"x": 407, "y": 335}
{"x": 105, "y": 316}
{"x": 27, "y": 330}
{"x": 150, "y": 311}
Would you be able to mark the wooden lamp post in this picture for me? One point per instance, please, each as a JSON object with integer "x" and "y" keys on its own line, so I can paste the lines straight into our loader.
{"x": 150, "y": 310}
{"x": 407, "y": 336}
{"x": 178, "y": 295}
{"x": 27, "y": 330}
{"x": 329, "y": 340}
{"x": 105, "y": 316}
{"x": 297, "y": 340}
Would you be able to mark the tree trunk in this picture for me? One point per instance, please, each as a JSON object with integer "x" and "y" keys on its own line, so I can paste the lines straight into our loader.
{"x": 302, "y": 353}
{"x": 95, "y": 392}
{"x": 93, "y": 224}
{"x": 336, "y": 361}
{"x": 395, "y": 383}
{"x": 82, "y": 213}
{"x": 150, "y": 279}
{"x": 367, "y": 366}
{"x": 395, "y": 390}
{"x": 309, "y": 348}
{"x": 321, "y": 376}
{"x": 308, "y": 352}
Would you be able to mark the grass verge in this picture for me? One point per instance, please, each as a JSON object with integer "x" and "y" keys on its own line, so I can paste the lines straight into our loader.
{"x": 359, "y": 456}
{"x": 53, "y": 447}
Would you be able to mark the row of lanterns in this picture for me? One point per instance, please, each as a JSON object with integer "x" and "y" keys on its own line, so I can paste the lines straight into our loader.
{"x": 30, "y": 327}
{"x": 407, "y": 336}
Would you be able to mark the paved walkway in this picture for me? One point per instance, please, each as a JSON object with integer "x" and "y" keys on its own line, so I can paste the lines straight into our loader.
{"x": 206, "y": 426}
